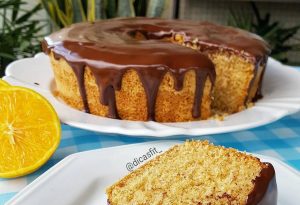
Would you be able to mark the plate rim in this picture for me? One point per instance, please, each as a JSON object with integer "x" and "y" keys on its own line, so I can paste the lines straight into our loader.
{"x": 58, "y": 166}
{"x": 145, "y": 129}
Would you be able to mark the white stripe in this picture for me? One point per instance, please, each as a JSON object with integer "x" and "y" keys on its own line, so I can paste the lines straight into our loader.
{"x": 12, "y": 185}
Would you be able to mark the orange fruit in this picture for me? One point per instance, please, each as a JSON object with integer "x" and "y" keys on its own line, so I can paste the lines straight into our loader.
{"x": 3, "y": 83}
{"x": 29, "y": 131}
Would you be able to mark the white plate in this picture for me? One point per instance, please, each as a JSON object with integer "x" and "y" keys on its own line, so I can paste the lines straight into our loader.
{"x": 280, "y": 89}
{"x": 83, "y": 177}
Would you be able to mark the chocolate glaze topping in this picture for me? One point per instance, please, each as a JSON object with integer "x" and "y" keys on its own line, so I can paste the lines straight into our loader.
{"x": 265, "y": 188}
{"x": 111, "y": 47}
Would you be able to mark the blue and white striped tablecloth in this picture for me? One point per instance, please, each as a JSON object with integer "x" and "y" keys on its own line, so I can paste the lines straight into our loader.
{"x": 280, "y": 139}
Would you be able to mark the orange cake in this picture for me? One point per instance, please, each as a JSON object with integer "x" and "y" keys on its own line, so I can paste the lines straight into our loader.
{"x": 198, "y": 173}
{"x": 154, "y": 69}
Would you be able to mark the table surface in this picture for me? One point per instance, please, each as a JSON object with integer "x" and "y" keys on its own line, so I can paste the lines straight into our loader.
{"x": 280, "y": 139}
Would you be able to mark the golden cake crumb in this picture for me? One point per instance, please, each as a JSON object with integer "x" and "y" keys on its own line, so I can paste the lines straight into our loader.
{"x": 195, "y": 172}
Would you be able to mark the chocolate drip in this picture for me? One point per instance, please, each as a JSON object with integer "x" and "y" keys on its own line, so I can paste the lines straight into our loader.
{"x": 151, "y": 79}
{"x": 259, "y": 94}
{"x": 79, "y": 69}
{"x": 265, "y": 189}
{"x": 108, "y": 98}
{"x": 247, "y": 98}
{"x": 201, "y": 77}
{"x": 179, "y": 81}
{"x": 108, "y": 81}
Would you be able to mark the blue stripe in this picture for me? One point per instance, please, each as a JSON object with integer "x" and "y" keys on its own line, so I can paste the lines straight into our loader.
{"x": 281, "y": 138}
{"x": 5, "y": 197}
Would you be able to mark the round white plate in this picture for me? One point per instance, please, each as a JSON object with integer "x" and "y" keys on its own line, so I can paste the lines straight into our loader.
{"x": 83, "y": 177}
{"x": 280, "y": 89}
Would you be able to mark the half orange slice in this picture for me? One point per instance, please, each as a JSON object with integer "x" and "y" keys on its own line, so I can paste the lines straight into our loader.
{"x": 29, "y": 131}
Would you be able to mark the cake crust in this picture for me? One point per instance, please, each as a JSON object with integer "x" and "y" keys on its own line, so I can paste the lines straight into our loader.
{"x": 131, "y": 100}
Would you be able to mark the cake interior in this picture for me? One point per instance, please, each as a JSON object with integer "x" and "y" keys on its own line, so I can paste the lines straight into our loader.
{"x": 192, "y": 173}
{"x": 237, "y": 78}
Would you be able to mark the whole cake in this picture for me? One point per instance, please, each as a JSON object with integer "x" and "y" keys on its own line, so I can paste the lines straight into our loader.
{"x": 198, "y": 173}
{"x": 154, "y": 69}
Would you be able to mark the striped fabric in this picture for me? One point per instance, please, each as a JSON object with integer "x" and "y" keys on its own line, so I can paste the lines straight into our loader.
{"x": 280, "y": 140}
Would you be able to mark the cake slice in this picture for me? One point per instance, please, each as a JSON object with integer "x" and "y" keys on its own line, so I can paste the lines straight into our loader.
{"x": 199, "y": 173}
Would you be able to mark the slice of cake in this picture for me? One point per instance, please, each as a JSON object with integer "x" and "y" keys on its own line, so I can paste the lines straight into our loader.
{"x": 198, "y": 173}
